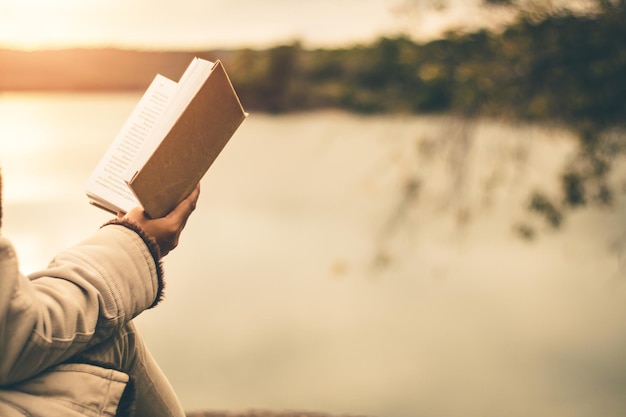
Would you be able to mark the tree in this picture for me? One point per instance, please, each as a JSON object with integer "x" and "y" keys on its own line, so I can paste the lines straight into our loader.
{"x": 560, "y": 61}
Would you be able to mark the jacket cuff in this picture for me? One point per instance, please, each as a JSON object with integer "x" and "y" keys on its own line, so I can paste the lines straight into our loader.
{"x": 153, "y": 247}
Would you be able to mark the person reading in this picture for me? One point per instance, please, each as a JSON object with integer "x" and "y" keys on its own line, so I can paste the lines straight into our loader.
{"x": 68, "y": 346}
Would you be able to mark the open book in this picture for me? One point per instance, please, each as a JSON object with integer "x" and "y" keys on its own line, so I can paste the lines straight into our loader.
{"x": 169, "y": 141}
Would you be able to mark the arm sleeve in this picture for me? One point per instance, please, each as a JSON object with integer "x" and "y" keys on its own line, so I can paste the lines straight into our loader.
{"x": 84, "y": 295}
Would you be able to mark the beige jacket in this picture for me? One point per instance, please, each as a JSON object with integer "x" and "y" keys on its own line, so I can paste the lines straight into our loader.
{"x": 85, "y": 294}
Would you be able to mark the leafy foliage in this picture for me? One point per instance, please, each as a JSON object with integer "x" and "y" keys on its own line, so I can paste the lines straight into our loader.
{"x": 568, "y": 68}
{"x": 565, "y": 68}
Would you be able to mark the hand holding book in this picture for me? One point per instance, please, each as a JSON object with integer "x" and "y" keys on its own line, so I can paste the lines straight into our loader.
{"x": 165, "y": 230}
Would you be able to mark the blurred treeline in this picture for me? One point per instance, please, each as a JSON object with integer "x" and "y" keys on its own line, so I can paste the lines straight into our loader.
{"x": 560, "y": 68}
{"x": 567, "y": 68}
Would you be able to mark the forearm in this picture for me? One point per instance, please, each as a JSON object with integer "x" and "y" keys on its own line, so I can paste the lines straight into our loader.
{"x": 86, "y": 293}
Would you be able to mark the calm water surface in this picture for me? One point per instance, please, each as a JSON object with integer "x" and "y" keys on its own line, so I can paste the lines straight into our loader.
{"x": 307, "y": 279}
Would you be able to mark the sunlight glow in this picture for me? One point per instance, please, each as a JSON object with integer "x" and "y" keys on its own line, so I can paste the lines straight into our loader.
{"x": 20, "y": 129}
{"x": 32, "y": 24}
{"x": 38, "y": 24}
{"x": 193, "y": 24}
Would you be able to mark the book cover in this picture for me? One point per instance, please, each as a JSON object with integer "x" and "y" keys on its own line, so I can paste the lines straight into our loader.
{"x": 191, "y": 146}
{"x": 180, "y": 159}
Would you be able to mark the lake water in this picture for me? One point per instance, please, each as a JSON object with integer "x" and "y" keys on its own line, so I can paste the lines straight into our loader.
{"x": 354, "y": 265}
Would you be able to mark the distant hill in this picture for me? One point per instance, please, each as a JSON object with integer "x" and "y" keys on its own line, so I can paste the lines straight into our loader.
{"x": 91, "y": 69}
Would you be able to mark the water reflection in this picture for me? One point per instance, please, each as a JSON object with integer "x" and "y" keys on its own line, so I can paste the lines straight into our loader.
{"x": 271, "y": 298}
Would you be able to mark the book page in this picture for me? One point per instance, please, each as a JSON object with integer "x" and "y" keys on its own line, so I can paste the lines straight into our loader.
{"x": 106, "y": 184}
{"x": 190, "y": 83}
{"x": 188, "y": 86}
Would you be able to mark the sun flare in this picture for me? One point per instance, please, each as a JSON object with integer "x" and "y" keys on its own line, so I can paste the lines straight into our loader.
{"x": 31, "y": 24}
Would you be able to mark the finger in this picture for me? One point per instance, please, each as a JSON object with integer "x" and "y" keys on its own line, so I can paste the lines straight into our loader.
{"x": 195, "y": 194}
{"x": 135, "y": 214}
{"x": 184, "y": 209}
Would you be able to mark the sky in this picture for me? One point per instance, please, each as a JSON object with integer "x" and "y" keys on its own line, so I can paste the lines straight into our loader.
{"x": 189, "y": 24}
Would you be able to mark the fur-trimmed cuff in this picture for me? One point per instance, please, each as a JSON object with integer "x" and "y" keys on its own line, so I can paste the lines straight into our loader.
{"x": 154, "y": 251}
